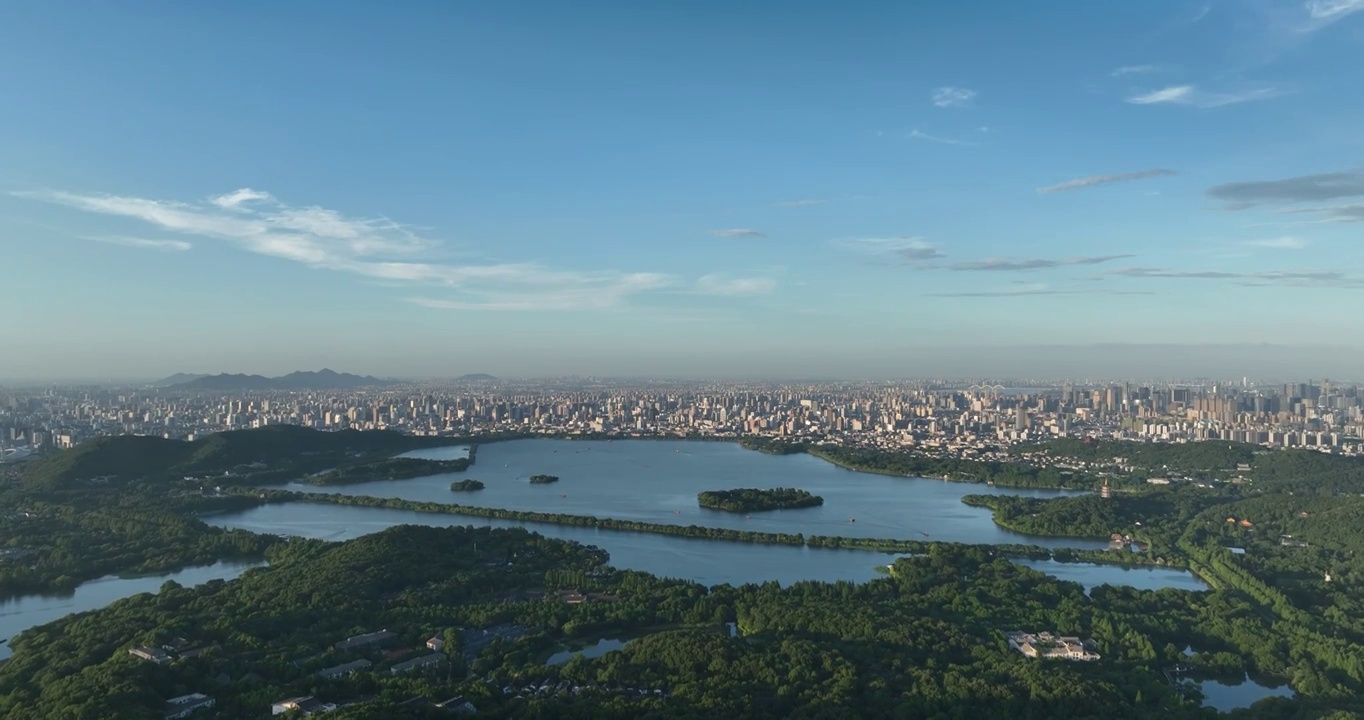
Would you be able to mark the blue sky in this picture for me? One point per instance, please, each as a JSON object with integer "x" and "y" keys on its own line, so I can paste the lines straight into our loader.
{"x": 698, "y": 188}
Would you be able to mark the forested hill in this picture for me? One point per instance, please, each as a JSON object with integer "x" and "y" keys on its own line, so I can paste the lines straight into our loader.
{"x": 305, "y": 380}
{"x": 276, "y": 449}
{"x": 1045, "y": 464}
{"x": 927, "y": 642}
{"x": 1209, "y": 455}
{"x": 1270, "y": 470}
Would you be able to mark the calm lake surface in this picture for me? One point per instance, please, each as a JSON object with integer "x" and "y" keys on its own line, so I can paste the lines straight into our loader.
{"x": 657, "y": 481}
{"x": 22, "y": 613}
{"x": 711, "y": 562}
{"x": 603, "y": 646}
{"x": 1143, "y": 578}
{"x": 1224, "y": 697}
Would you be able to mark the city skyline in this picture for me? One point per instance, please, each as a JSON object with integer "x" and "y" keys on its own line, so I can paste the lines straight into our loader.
{"x": 938, "y": 417}
{"x": 1161, "y": 190}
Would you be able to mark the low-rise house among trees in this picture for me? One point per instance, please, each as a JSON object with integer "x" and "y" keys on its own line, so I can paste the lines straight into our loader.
{"x": 150, "y": 654}
{"x": 366, "y": 641}
{"x": 304, "y": 706}
{"x": 1048, "y": 645}
{"x": 425, "y": 662}
{"x": 186, "y": 705}
{"x": 459, "y": 704}
{"x": 344, "y": 669}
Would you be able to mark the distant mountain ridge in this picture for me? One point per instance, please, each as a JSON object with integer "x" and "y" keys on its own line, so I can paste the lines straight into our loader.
{"x": 476, "y": 377}
{"x": 324, "y": 379}
{"x": 288, "y": 450}
{"x": 178, "y": 379}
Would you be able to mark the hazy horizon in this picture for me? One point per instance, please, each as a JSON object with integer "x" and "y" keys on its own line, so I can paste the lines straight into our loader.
{"x": 1059, "y": 362}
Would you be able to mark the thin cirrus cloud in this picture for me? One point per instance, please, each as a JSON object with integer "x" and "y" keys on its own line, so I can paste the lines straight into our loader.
{"x": 237, "y": 198}
{"x": 1029, "y": 264}
{"x": 910, "y": 249}
{"x": 946, "y": 97}
{"x": 1321, "y": 13}
{"x": 1133, "y": 70}
{"x": 1265, "y": 278}
{"x": 1035, "y": 290}
{"x": 144, "y": 243}
{"x": 1301, "y": 189}
{"x": 375, "y": 248}
{"x": 1190, "y": 95}
{"x": 738, "y": 233}
{"x": 1337, "y": 213}
{"x": 726, "y": 286}
{"x": 1287, "y": 242}
{"x": 921, "y": 135}
{"x": 583, "y": 294}
{"x": 1096, "y": 180}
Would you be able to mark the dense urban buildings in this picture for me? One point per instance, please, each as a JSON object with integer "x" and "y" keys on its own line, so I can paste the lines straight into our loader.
{"x": 938, "y": 417}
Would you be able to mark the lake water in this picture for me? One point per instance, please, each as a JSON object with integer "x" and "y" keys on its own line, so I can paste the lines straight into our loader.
{"x": 1143, "y": 578}
{"x": 710, "y": 562}
{"x": 22, "y": 613}
{"x": 658, "y": 480}
{"x": 446, "y": 452}
{"x": 603, "y": 646}
{"x": 1224, "y": 697}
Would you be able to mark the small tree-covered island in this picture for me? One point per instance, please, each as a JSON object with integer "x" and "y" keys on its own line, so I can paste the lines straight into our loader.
{"x": 466, "y": 485}
{"x": 755, "y": 499}
{"x": 543, "y": 479}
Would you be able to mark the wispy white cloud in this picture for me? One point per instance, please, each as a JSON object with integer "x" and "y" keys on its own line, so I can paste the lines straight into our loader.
{"x": 1026, "y": 264}
{"x": 1133, "y": 70}
{"x": 1178, "y": 93}
{"x": 1192, "y": 96}
{"x": 1321, "y": 13}
{"x": 601, "y": 293}
{"x": 1301, "y": 189}
{"x": 375, "y": 248}
{"x": 1287, "y": 242}
{"x": 910, "y": 249}
{"x": 738, "y": 232}
{"x": 944, "y": 97}
{"x": 239, "y": 197}
{"x": 1027, "y": 289}
{"x": 920, "y": 135}
{"x": 722, "y": 284}
{"x": 145, "y": 243}
{"x": 1296, "y": 278}
{"x": 1094, "y": 180}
